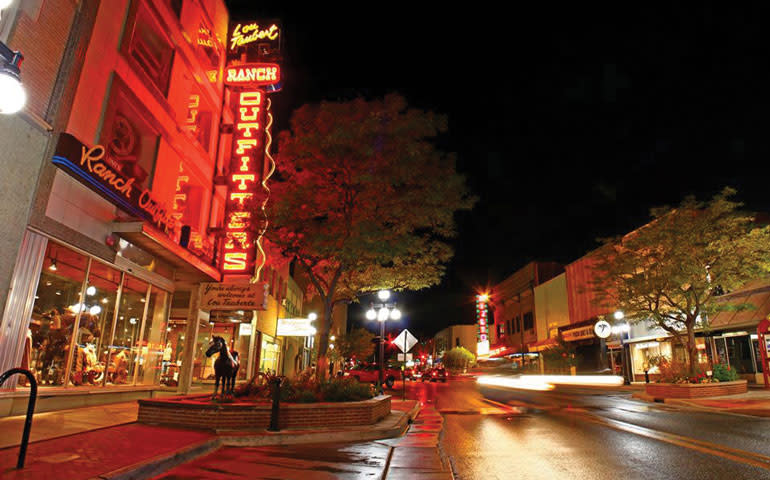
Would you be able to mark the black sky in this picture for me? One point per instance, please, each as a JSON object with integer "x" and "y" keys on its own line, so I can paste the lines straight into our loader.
{"x": 569, "y": 123}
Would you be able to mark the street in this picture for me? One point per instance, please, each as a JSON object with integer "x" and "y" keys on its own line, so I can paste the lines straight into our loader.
{"x": 576, "y": 434}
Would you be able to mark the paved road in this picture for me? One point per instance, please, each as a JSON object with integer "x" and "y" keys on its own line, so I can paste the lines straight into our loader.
{"x": 582, "y": 434}
{"x": 576, "y": 434}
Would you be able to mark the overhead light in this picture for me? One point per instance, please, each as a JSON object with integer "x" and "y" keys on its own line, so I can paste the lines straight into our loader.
{"x": 91, "y": 291}
{"x": 95, "y": 310}
{"x": 383, "y": 295}
{"x": 395, "y": 314}
{"x": 312, "y": 316}
{"x": 52, "y": 267}
{"x": 371, "y": 314}
{"x": 105, "y": 300}
{"x": 383, "y": 314}
{"x": 619, "y": 315}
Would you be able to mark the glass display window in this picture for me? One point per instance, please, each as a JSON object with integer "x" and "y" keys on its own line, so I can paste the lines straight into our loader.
{"x": 270, "y": 354}
{"x": 53, "y": 321}
{"x": 171, "y": 364}
{"x": 93, "y": 333}
{"x": 153, "y": 346}
{"x": 124, "y": 348}
{"x": 203, "y": 366}
{"x": 641, "y": 353}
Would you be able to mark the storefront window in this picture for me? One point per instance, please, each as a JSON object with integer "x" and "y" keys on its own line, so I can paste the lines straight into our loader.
{"x": 153, "y": 348}
{"x": 172, "y": 353}
{"x": 268, "y": 361}
{"x": 95, "y": 328}
{"x": 203, "y": 368}
{"x": 739, "y": 353}
{"x": 642, "y": 353}
{"x": 757, "y": 353}
{"x": 123, "y": 350}
{"x": 52, "y": 323}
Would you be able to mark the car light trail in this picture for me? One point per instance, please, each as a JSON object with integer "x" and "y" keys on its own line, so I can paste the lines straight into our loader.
{"x": 519, "y": 383}
{"x": 549, "y": 382}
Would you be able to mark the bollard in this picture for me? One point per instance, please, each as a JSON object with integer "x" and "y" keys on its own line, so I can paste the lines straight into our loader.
{"x": 646, "y": 376}
{"x": 276, "y": 402}
{"x": 30, "y": 410}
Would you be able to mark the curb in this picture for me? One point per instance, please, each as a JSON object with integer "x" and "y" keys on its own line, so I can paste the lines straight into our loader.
{"x": 156, "y": 466}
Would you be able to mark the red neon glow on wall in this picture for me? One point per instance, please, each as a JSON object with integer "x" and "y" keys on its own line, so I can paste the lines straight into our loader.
{"x": 244, "y": 181}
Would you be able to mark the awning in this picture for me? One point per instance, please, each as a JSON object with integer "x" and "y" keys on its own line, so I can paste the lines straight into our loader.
{"x": 542, "y": 345}
{"x": 757, "y": 297}
{"x": 499, "y": 351}
{"x": 155, "y": 242}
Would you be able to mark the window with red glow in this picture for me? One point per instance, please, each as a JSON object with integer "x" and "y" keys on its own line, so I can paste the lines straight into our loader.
{"x": 131, "y": 140}
{"x": 148, "y": 48}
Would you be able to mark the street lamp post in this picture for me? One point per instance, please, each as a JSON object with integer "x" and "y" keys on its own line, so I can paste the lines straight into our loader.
{"x": 382, "y": 312}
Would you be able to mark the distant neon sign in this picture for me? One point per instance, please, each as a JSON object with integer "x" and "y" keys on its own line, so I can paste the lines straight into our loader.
{"x": 481, "y": 317}
{"x": 253, "y": 74}
{"x": 243, "y": 181}
{"x": 244, "y": 34}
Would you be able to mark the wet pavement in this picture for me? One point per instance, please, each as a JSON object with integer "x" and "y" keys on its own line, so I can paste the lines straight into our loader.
{"x": 564, "y": 434}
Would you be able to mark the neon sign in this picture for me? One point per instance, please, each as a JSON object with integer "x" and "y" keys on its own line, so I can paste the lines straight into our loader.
{"x": 93, "y": 170}
{"x": 481, "y": 317}
{"x": 243, "y": 181}
{"x": 253, "y": 74}
{"x": 244, "y": 34}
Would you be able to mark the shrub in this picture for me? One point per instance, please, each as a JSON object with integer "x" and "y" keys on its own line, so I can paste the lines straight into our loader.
{"x": 724, "y": 373}
{"x": 345, "y": 390}
{"x": 673, "y": 371}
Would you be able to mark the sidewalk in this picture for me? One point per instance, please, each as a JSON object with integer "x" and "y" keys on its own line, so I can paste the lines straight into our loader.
{"x": 104, "y": 442}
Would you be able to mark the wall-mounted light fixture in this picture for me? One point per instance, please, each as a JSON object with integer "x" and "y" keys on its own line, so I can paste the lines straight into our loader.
{"x": 13, "y": 97}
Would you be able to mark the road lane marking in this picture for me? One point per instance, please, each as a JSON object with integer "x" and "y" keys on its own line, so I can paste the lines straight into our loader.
{"x": 734, "y": 454}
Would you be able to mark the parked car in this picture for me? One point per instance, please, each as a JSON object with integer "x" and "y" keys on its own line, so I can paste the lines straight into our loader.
{"x": 371, "y": 373}
{"x": 435, "y": 374}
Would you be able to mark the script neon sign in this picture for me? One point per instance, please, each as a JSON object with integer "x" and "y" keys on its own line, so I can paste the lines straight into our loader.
{"x": 243, "y": 34}
{"x": 243, "y": 181}
{"x": 253, "y": 74}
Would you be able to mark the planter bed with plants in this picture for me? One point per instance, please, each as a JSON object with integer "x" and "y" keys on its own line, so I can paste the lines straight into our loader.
{"x": 200, "y": 413}
{"x": 305, "y": 403}
{"x": 675, "y": 381}
{"x": 695, "y": 390}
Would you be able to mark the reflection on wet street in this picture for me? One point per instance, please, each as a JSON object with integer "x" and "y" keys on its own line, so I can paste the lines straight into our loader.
{"x": 503, "y": 434}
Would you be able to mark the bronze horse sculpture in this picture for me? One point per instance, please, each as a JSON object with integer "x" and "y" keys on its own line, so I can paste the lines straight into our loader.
{"x": 225, "y": 366}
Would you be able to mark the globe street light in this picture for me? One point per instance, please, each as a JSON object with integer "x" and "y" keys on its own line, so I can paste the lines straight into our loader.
{"x": 383, "y": 312}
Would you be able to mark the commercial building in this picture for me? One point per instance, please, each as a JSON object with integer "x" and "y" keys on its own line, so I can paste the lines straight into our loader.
{"x": 120, "y": 186}
{"x": 465, "y": 336}
{"x": 514, "y": 307}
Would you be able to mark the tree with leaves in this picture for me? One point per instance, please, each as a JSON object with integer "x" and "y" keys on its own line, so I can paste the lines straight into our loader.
{"x": 358, "y": 343}
{"x": 670, "y": 272}
{"x": 364, "y": 200}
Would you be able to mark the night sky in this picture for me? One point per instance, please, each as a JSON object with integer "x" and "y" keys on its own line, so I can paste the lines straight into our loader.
{"x": 569, "y": 124}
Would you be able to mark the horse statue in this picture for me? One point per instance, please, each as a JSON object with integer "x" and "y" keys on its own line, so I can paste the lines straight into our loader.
{"x": 225, "y": 366}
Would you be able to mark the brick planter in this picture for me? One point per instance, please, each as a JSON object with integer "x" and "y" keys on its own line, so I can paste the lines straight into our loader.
{"x": 195, "y": 412}
{"x": 695, "y": 390}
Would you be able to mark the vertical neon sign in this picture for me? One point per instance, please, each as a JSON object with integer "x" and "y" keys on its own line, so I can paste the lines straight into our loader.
{"x": 244, "y": 181}
{"x": 482, "y": 348}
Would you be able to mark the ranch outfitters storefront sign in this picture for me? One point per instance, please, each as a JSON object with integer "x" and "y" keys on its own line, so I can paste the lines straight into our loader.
{"x": 90, "y": 167}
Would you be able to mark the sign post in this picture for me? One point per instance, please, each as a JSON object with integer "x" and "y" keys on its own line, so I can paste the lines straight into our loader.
{"x": 404, "y": 341}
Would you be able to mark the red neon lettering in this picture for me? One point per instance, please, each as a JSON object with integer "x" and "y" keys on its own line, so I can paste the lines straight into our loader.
{"x": 240, "y": 197}
{"x": 234, "y": 261}
{"x": 242, "y": 178}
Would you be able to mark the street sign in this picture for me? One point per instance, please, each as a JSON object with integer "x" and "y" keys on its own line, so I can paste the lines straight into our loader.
{"x": 405, "y": 341}
{"x": 404, "y": 357}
